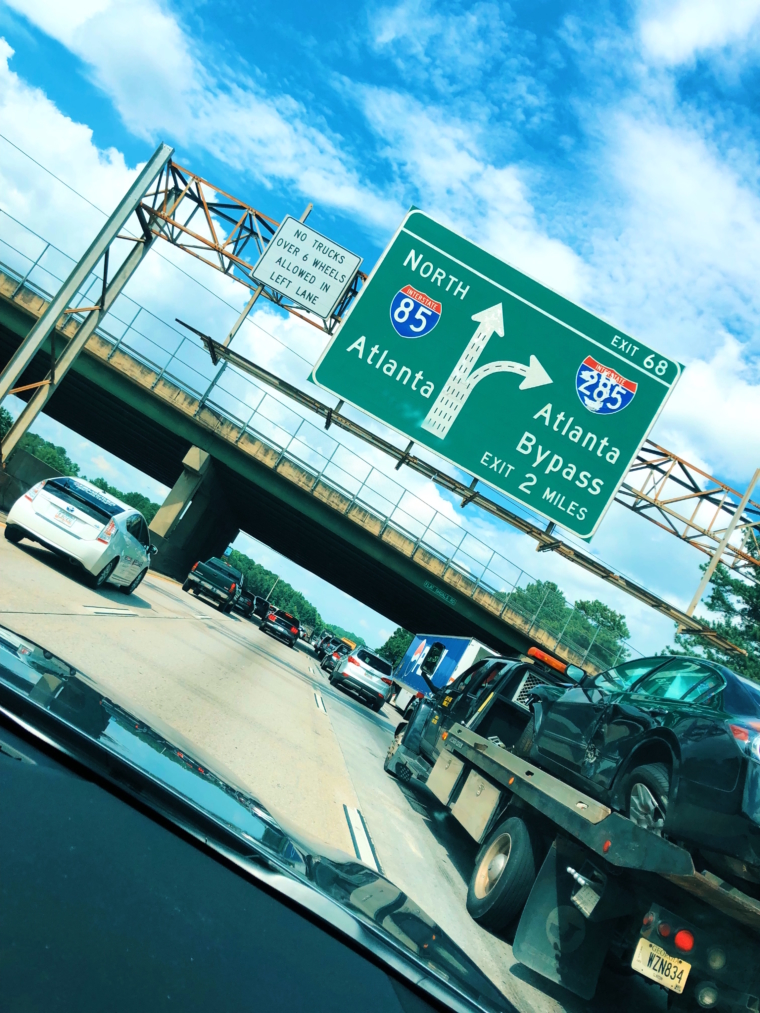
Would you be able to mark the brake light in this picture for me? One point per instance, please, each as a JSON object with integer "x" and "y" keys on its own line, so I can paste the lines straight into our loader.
{"x": 271, "y": 617}
{"x": 294, "y": 629}
{"x": 419, "y": 695}
{"x": 388, "y": 682}
{"x": 32, "y": 493}
{"x": 232, "y": 588}
{"x": 684, "y": 940}
{"x": 664, "y": 929}
{"x": 747, "y": 737}
{"x": 336, "y": 655}
{"x": 354, "y": 661}
{"x": 108, "y": 532}
{"x": 559, "y": 666}
{"x": 195, "y": 566}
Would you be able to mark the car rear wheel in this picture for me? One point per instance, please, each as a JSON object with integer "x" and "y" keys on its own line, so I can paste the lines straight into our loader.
{"x": 99, "y": 579}
{"x": 647, "y": 792}
{"x": 505, "y": 870}
{"x": 13, "y": 533}
{"x": 129, "y": 588}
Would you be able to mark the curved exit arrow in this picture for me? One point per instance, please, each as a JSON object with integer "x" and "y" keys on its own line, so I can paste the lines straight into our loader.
{"x": 464, "y": 377}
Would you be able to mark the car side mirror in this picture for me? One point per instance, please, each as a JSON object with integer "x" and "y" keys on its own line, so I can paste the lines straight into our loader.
{"x": 152, "y": 549}
{"x": 575, "y": 674}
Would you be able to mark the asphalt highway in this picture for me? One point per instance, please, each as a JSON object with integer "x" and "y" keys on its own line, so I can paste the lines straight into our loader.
{"x": 310, "y": 753}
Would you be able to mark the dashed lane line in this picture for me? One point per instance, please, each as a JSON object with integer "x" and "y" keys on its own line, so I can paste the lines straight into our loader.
{"x": 361, "y": 840}
{"x": 319, "y": 702}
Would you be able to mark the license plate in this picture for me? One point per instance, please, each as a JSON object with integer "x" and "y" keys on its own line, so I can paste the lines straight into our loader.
{"x": 653, "y": 962}
{"x": 63, "y": 518}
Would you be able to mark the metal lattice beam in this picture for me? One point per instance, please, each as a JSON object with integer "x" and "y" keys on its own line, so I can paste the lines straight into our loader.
{"x": 697, "y": 508}
{"x": 226, "y": 233}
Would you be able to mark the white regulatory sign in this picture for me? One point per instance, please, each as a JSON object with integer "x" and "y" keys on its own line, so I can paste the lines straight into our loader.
{"x": 306, "y": 266}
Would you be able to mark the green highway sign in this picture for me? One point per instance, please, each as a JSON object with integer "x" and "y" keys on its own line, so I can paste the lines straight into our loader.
{"x": 498, "y": 374}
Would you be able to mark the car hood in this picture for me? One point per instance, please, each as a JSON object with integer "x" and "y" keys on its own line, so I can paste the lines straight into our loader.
{"x": 62, "y": 706}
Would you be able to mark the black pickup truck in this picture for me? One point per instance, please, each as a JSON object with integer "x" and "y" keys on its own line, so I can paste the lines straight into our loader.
{"x": 217, "y": 581}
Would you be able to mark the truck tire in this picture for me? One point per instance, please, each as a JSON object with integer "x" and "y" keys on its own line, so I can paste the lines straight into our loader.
{"x": 388, "y": 765}
{"x": 186, "y": 586}
{"x": 505, "y": 870}
{"x": 646, "y": 796}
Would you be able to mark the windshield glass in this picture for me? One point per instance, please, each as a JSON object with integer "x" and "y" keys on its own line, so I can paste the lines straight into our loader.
{"x": 335, "y": 511}
{"x": 225, "y": 569}
{"x": 90, "y": 501}
{"x": 373, "y": 661}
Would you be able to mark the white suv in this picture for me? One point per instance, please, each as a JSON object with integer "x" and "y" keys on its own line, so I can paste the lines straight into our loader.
{"x": 93, "y": 529}
{"x": 365, "y": 673}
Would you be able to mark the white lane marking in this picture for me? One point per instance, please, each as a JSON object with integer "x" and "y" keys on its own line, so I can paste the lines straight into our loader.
{"x": 362, "y": 842}
{"x": 105, "y": 610}
{"x": 320, "y": 702}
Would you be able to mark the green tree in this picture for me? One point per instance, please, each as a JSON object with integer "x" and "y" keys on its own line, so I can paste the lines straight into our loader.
{"x": 48, "y": 453}
{"x": 735, "y": 603}
{"x": 340, "y": 632}
{"x": 590, "y": 628}
{"x": 396, "y": 646}
{"x": 6, "y": 421}
{"x": 605, "y": 617}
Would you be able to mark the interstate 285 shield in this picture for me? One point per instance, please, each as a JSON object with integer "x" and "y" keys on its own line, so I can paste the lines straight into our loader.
{"x": 414, "y": 314}
{"x": 601, "y": 389}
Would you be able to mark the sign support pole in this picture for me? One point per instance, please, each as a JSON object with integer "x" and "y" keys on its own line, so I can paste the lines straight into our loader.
{"x": 711, "y": 566}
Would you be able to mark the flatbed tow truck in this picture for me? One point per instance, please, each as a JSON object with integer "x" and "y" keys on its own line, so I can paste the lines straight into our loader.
{"x": 584, "y": 885}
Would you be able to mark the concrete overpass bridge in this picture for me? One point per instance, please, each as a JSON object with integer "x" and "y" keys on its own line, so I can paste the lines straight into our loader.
{"x": 278, "y": 476}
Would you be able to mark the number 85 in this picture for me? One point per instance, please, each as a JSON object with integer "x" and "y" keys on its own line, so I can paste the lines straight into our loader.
{"x": 405, "y": 307}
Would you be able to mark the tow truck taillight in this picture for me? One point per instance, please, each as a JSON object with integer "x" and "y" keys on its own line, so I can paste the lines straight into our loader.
{"x": 684, "y": 940}
{"x": 31, "y": 495}
{"x": 108, "y": 532}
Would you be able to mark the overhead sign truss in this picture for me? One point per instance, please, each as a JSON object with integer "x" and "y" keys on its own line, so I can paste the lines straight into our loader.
{"x": 692, "y": 505}
{"x": 229, "y": 235}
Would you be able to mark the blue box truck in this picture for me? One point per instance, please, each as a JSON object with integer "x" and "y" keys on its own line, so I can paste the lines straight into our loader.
{"x": 440, "y": 659}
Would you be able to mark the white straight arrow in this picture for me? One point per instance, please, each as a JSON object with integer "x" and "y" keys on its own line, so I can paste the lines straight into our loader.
{"x": 464, "y": 377}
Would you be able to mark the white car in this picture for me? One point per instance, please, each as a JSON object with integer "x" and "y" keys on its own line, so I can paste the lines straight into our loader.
{"x": 91, "y": 528}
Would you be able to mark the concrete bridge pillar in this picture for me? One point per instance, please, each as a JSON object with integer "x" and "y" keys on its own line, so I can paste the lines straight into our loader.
{"x": 194, "y": 521}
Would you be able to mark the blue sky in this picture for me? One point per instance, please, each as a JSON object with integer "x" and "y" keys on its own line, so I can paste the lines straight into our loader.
{"x": 609, "y": 149}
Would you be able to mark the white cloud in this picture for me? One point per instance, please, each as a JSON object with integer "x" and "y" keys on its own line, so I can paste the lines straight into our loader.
{"x": 450, "y": 173}
{"x": 714, "y": 413}
{"x": 139, "y": 54}
{"x": 103, "y": 464}
{"x": 677, "y": 31}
